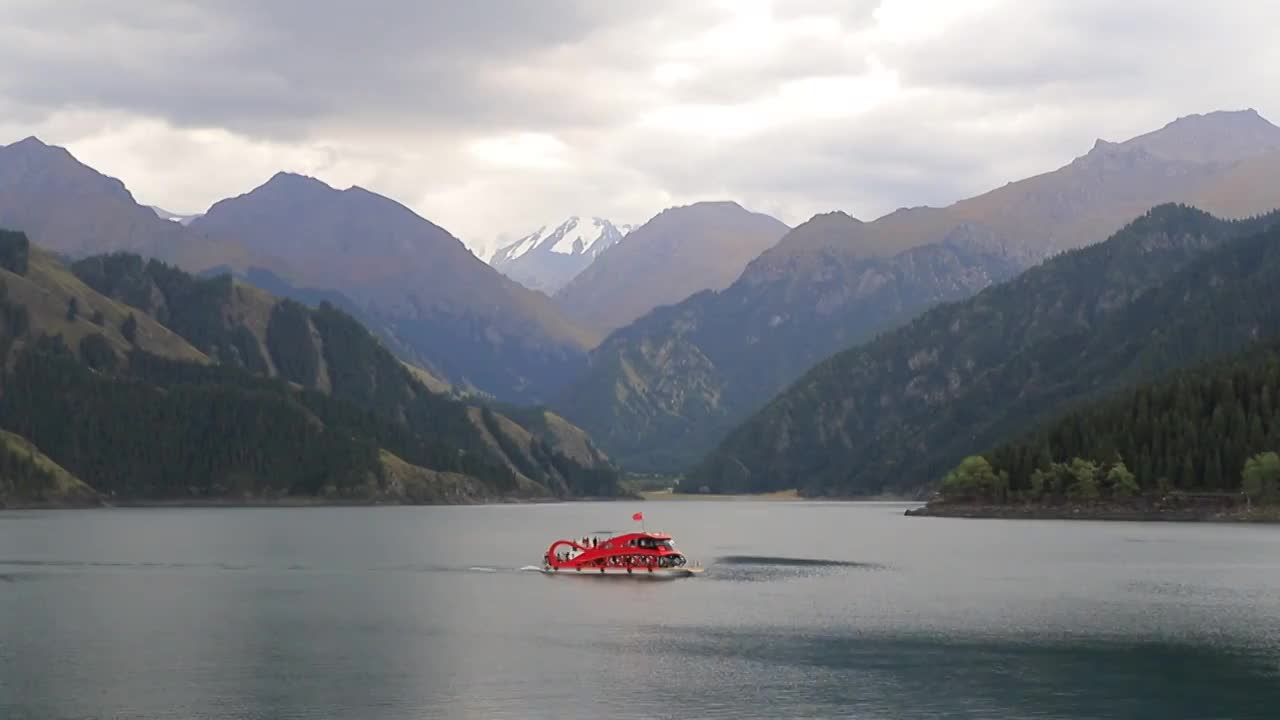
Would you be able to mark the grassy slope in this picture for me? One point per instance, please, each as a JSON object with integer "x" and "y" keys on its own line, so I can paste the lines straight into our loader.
{"x": 415, "y": 484}
{"x": 65, "y": 488}
{"x": 48, "y": 287}
{"x": 433, "y": 383}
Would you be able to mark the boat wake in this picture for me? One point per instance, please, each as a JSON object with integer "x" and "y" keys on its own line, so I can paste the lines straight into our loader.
{"x": 768, "y": 560}
{"x": 764, "y": 568}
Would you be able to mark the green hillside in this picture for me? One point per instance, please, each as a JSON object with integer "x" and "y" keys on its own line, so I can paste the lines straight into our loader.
{"x": 1193, "y": 432}
{"x": 57, "y": 302}
{"x": 29, "y": 478}
{"x": 1198, "y": 445}
{"x": 663, "y": 391}
{"x": 296, "y": 401}
{"x": 1173, "y": 288}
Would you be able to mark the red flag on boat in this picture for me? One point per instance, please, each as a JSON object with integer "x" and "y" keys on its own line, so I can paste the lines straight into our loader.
{"x": 638, "y": 516}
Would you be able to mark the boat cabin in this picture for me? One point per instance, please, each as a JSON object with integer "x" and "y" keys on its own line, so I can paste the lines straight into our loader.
{"x": 639, "y": 550}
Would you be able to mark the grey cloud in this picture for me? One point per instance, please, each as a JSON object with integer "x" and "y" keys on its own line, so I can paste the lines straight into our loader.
{"x": 390, "y": 94}
{"x": 279, "y": 68}
{"x": 1094, "y": 45}
{"x": 850, "y": 14}
{"x": 927, "y": 150}
{"x": 803, "y": 58}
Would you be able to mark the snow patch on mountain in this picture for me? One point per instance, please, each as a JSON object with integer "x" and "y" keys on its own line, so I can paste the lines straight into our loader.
{"x": 519, "y": 247}
{"x": 570, "y": 242}
{"x": 180, "y": 218}
{"x": 552, "y": 255}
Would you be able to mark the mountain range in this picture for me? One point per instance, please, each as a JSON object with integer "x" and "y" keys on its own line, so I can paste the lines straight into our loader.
{"x": 1221, "y": 162}
{"x": 1173, "y": 288}
{"x": 141, "y": 381}
{"x": 454, "y": 314}
{"x": 661, "y": 340}
{"x": 412, "y": 282}
{"x": 662, "y": 392}
{"x": 72, "y": 209}
{"x": 551, "y": 256}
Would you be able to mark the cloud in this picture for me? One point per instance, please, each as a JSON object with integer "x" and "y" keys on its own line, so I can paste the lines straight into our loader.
{"x": 497, "y": 116}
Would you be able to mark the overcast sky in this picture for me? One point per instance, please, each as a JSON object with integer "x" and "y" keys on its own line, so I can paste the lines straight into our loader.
{"x": 496, "y": 116}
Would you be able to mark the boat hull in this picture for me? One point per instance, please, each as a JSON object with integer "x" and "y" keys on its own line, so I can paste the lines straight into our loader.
{"x": 637, "y": 573}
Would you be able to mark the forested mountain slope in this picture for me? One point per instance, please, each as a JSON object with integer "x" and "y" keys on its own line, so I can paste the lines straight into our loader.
{"x": 298, "y": 401}
{"x": 28, "y": 478}
{"x": 1194, "y": 431}
{"x": 1173, "y": 288}
{"x": 662, "y": 392}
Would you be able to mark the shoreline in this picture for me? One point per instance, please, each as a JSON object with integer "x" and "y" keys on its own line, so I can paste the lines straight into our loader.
{"x": 306, "y": 502}
{"x": 290, "y": 502}
{"x": 671, "y": 496}
{"x": 1099, "y": 513}
{"x": 776, "y": 496}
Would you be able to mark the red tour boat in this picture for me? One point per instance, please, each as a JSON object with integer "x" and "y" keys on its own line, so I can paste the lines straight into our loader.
{"x": 638, "y": 554}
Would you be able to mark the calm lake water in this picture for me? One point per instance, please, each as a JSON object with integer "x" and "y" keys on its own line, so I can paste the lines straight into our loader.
{"x": 424, "y": 613}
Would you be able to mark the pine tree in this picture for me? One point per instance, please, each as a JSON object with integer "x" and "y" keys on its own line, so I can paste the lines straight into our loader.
{"x": 129, "y": 329}
{"x": 1260, "y": 480}
{"x": 1202, "y": 426}
{"x": 1122, "y": 482}
{"x": 1213, "y": 471}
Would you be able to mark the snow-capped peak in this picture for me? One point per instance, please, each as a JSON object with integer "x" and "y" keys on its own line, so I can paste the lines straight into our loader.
{"x": 551, "y": 255}
{"x": 519, "y": 247}
{"x": 578, "y": 235}
{"x": 581, "y": 235}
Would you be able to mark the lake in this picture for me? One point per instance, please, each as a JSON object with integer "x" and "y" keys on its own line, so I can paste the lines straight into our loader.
{"x": 806, "y": 610}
